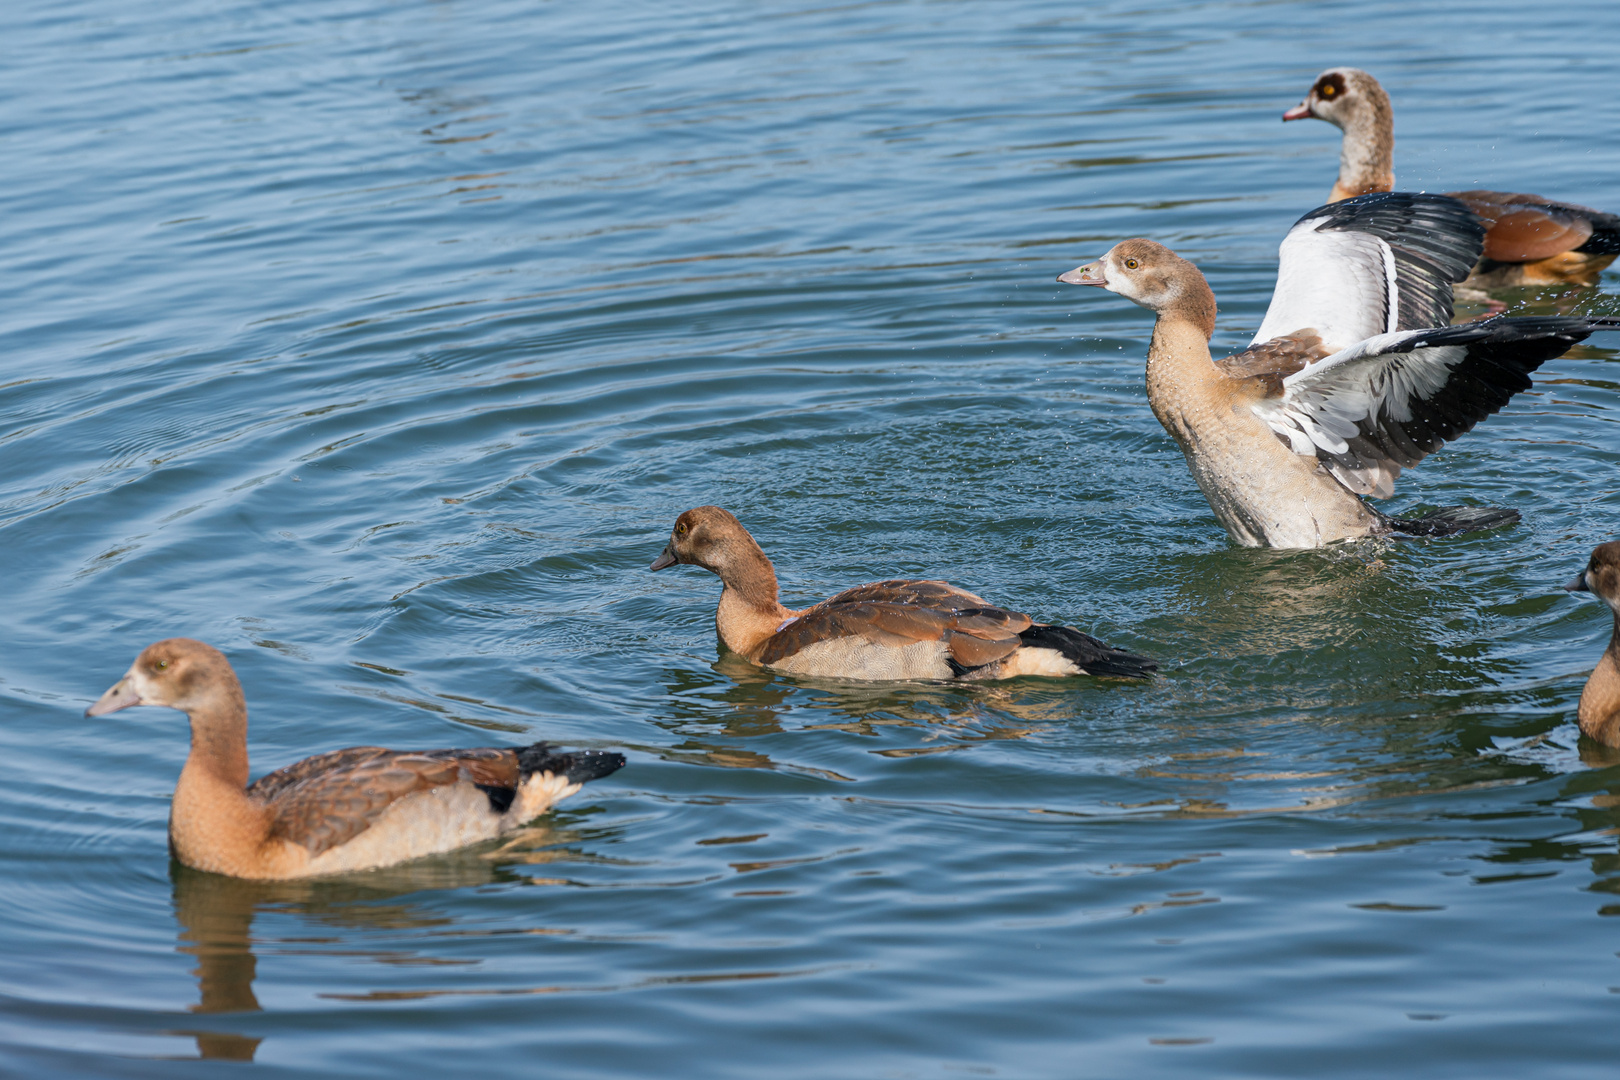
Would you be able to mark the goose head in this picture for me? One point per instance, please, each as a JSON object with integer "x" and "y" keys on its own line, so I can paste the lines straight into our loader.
{"x": 179, "y": 673}
{"x": 1343, "y": 97}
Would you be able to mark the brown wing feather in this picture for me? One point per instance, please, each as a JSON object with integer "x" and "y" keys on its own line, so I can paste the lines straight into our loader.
{"x": 1524, "y": 228}
{"x": 328, "y": 800}
{"x": 907, "y": 591}
{"x": 902, "y": 612}
{"x": 1270, "y": 362}
{"x": 971, "y": 650}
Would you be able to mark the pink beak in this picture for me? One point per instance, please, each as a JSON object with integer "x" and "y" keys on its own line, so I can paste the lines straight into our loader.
{"x": 1302, "y": 111}
{"x": 121, "y": 695}
{"x": 1089, "y": 274}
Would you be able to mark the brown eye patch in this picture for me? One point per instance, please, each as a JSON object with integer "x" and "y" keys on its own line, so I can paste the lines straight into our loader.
{"x": 1329, "y": 87}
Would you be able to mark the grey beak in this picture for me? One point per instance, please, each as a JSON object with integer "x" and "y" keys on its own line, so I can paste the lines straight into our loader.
{"x": 121, "y": 695}
{"x": 666, "y": 559}
{"x": 1579, "y": 584}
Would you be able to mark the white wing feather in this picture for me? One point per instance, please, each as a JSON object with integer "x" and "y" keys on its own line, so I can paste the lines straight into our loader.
{"x": 1325, "y": 404}
{"x": 1340, "y": 283}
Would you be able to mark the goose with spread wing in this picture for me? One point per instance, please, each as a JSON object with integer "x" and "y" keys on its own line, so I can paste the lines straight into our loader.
{"x": 887, "y": 630}
{"x": 1353, "y": 376}
{"x": 1529, "y": 240}
{"x": 354, "y": 809}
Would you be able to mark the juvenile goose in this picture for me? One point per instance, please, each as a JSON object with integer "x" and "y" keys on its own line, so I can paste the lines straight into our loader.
{"x": 1353, "y": 376}
{"x": 352, "y": 809}
{"x": 1529, "y": 240}
{"x": 886, "y": 630}
{"x": 1599, "y": 711}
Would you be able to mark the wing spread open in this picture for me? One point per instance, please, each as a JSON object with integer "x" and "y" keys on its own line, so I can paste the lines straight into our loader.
{"x": 1372, "y": 265}
{"x": 328, "y": 800}
{"x": 1384, "y": 404}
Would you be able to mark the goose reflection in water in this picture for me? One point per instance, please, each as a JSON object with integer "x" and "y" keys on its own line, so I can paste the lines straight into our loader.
{"x": 747, "y": 701}
{"x": 216, "y": 914}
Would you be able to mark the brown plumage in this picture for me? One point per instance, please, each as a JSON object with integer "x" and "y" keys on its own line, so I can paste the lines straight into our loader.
{"x": 1599, "y": 710}
{"x": 353, "y": 809}
{"x": 1530, "y": 240}
{"x": 899, "y": 629}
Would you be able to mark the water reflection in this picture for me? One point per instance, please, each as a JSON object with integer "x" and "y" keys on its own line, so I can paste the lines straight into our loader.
{"x": 216, "y": 915}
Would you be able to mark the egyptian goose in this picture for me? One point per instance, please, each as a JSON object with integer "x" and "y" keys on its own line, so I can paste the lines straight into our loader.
{"x": 1353, "y": 376}
{"x": 1599, "y": 711}
{"x": 1529, "y": 240}
{"x": 898, "y": 629}
{"x": 353, "y": 809}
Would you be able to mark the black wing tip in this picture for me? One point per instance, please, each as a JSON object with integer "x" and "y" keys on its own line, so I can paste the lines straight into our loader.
{"x": 1454, "y": 520}
{"x": 1091, "y": 656}
{"x": 578, "y": 766}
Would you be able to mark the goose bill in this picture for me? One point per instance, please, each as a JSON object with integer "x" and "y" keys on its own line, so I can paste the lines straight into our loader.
{"x": 667, "y": 558}
{"x": 1089, "y": 274}
{"x": 121, "y": 695}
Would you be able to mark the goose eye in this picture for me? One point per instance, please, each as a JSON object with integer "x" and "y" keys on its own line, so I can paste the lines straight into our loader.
{"x": 162, "y": 665}
{"x": 1130, "y": 264}
{"x": 680, "y": 530}
{"x": 1329, "y": 90}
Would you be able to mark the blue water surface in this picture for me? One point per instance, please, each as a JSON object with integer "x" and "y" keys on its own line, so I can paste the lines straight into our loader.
{"x": 380, "y": 343}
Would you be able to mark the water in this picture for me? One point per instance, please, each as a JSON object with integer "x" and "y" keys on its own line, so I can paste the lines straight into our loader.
{"x": 380, "y": 344}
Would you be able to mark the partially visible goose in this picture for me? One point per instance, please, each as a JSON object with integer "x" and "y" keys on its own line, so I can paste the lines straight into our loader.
{"x": 897, "y": 629}
{"x": 1599, "y": 711}
{"x": 353, "y": 809}
{"x": 1529, "y": 240}
{"x": 1353, "y": 376}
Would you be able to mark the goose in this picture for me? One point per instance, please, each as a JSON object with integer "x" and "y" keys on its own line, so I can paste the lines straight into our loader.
{"x": 1529, "y": 240}
{"x": 355, "y": 809}
{"x": 887, "y": 630}
{"x": 1353, "y": 375}
{"x": 1599, "y": 712}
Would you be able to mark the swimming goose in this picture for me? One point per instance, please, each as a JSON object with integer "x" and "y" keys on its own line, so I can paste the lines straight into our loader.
{"x": 1599, "y": 711}
{"x": 1529, "y": 240}
{"x": 897, "y": 629}
{"x": 353, "y": 809}
{"x": 1353, "y": 376}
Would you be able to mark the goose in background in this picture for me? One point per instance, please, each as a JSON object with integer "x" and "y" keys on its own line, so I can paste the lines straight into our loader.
{"x": 899, "y": 629}
{"x": 354, "y": 809}
{"x": 1353, "y": 376}
{"x": 1529, "y": 240}
{"x": 1599, "y": 712}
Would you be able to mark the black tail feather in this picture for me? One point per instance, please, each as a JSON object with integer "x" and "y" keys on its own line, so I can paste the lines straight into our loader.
{"x": 1605, "y": 238}
{"x": 1451, "y": 520}
{"x": 1088, "y": 654}
{"x": 579, "y": 766}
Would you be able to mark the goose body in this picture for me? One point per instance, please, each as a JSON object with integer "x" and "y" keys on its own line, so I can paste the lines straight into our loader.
{"x": 886, "y": 630}
{"x": 1353, "y": 375}
{"x": 1529, "y": 240}
{"x": 354, "y": 809}
{"x": 1599, "y": 711}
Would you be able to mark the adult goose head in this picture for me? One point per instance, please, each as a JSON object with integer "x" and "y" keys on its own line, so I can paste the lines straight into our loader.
{"x": 1529, "y": 240}
{"x": 353, "y": 809}
{"x": 886, "y": 630}
{"x": 1353, "y": 376}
